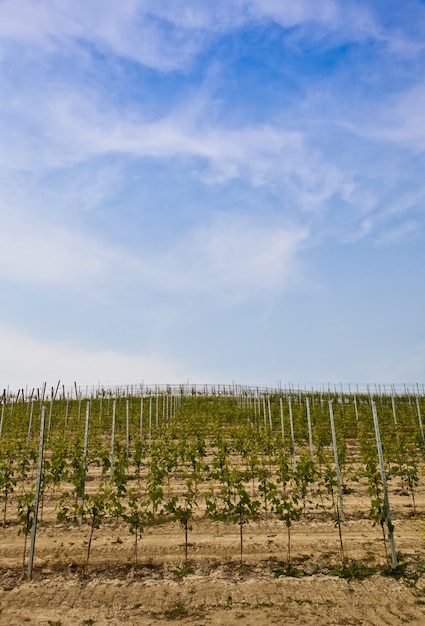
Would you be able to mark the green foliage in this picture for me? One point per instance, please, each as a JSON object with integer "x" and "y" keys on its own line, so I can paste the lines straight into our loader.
{"x": 354, "y": 571}
{"x": 181, "y": 508}
{"x": 26, "y": 507}
{"x": 219, "y": 446}
{"x": 139, "y": 454}
{"x": 135, "y": 514}
{"x": 7, "y": 484}
{"x": 119, "y": 473}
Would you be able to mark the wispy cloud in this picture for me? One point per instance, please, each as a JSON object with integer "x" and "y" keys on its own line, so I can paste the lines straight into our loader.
{"x": 398, "y": 233}
{"x": 174, "y": 161}
{"x": 24, "y": 355}
{"x": 124, "y": 29}
{"x": 76, "y": 129}
{"x": 230, "y": 254}
{"x": 236, "y": 257}
{"x": 39, "y": 253}
{"x": 166, "y": 35}
{"x": 68, "y": 128}
{"x": 69, "y": 122}
{"x": 401, "y": 120}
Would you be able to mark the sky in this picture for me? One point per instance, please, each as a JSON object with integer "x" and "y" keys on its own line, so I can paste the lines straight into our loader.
{"x": 212, "y": 191}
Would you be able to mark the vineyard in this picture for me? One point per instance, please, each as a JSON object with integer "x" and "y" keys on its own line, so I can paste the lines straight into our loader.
{"x": 180, "y": 481}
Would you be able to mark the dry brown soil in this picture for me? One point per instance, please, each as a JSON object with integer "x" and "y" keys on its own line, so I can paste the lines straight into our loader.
{"x": 215, "y": 588}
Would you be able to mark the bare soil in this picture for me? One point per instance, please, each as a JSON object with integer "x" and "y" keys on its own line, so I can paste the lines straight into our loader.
{"x": 214, "y": 588}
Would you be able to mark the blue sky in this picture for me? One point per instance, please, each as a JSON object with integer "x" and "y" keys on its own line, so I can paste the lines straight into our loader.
{"x": 214, "y": 191}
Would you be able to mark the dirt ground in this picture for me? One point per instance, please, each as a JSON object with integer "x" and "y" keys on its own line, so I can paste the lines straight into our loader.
{"x": 214, "y": 588}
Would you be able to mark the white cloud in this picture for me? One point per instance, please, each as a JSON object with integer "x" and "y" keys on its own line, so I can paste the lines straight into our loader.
{"x": 68, "y": 128}
{"x": 164, "y": 34}
{"x": 39, "y": 253}
{"x": 345, "y": 20}
{"x": 58, "y": 126}
{"x": 402, "y": 120}
{"x": 230, "y": 253}
{"x": 236, "y": 258}
{"x": 288, "y": 14}
{"x": 121, "y": 28}
{"x": 397, "y": 118}
{"x": 398, "y": 233}
{"x": 31, "y": 361}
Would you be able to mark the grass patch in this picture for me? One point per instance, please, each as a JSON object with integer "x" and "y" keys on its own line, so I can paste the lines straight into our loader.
{"x": 354, "y": 571}
{"x": 182, "y": 571}
{"x": 287, "y": 569}
{"x": 176, "y": 611}
{"x": 408, "y": 572}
